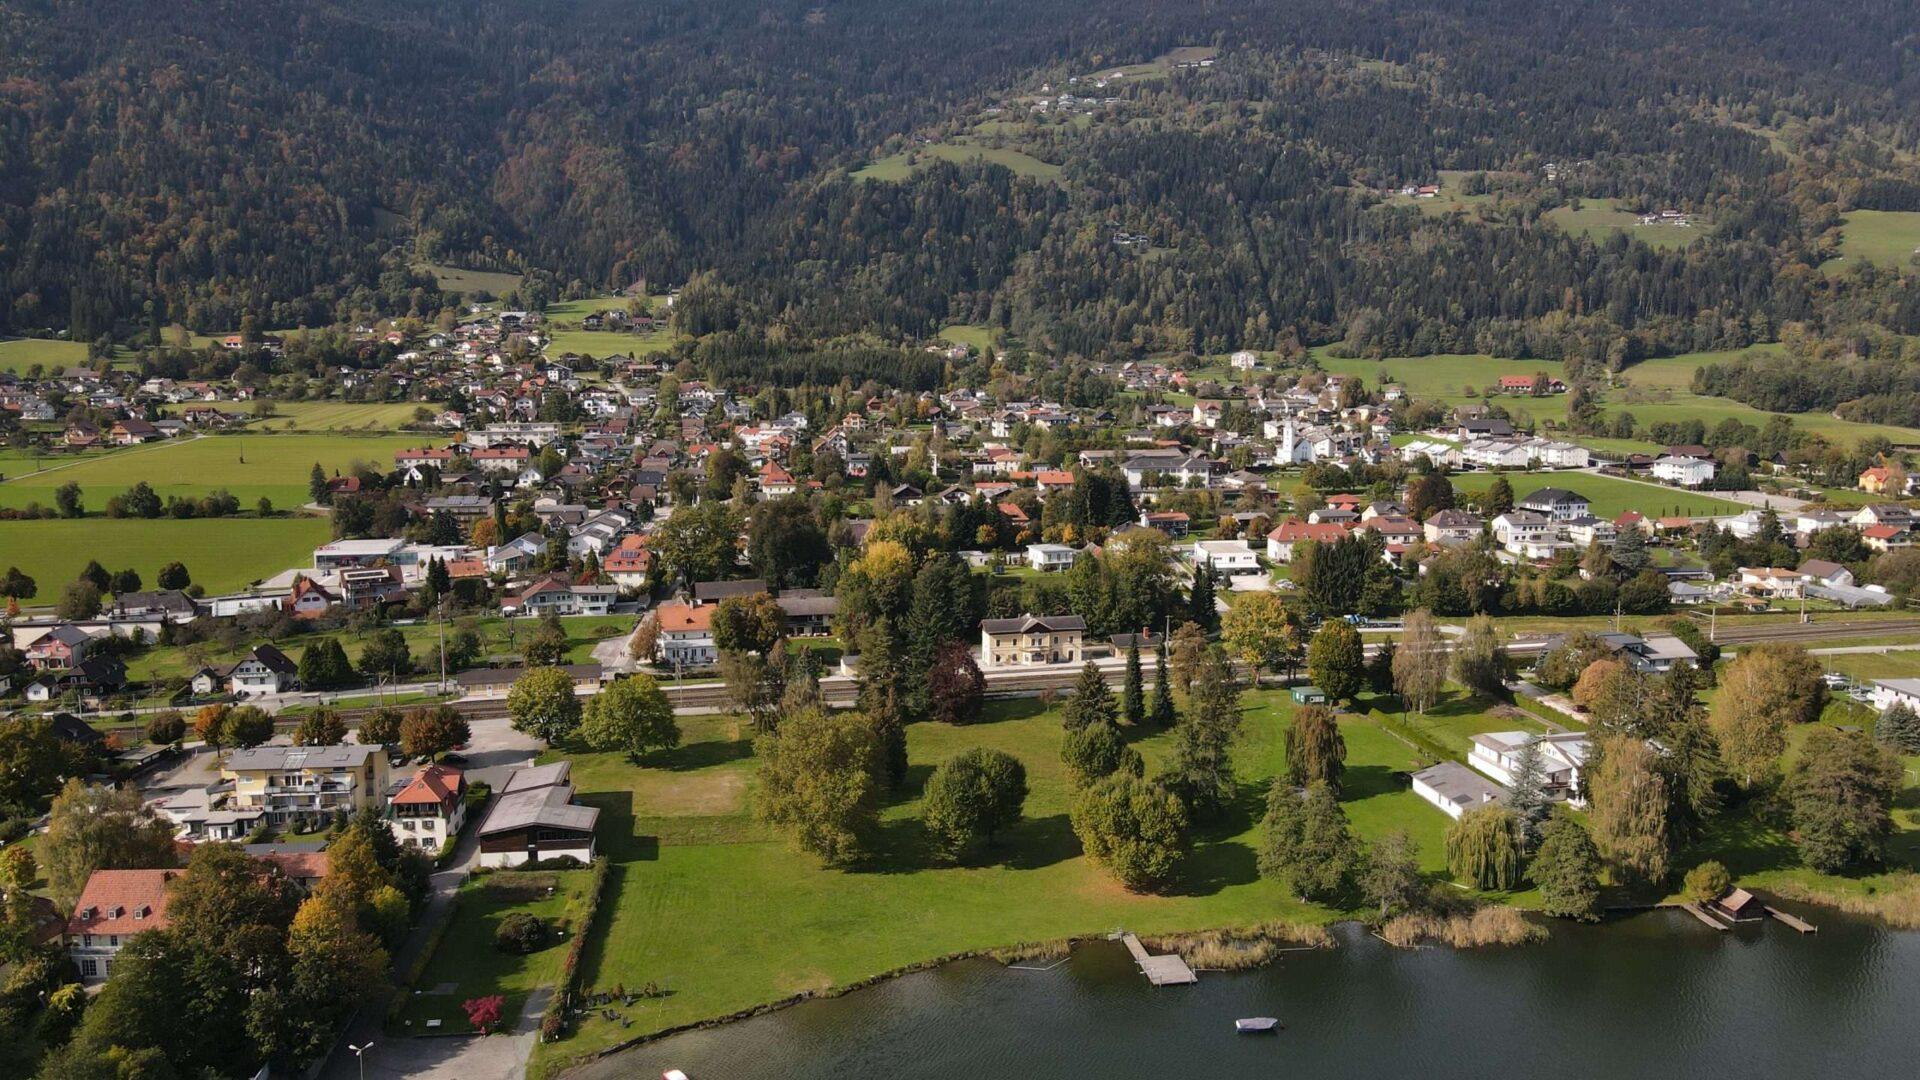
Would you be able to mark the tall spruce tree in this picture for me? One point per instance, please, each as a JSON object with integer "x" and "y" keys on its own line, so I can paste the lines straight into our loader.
{"x": 1527, "y": 794}
{"x": 1133, "y": 704}
{"x": 1163, "y": 713}
{"x": 1200, "y": 605}
{"x": 1091, "y": 703}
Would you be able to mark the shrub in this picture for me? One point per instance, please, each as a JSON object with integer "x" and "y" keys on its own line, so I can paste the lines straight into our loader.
{"x": 520, "y": 933}
{"x": 1707, "y": 882}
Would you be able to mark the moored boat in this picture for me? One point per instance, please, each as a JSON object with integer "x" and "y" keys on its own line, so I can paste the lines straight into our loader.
{"x": 1254, "y": 1025}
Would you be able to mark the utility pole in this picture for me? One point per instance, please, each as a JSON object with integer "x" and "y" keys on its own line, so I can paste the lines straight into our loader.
{"x": 440, "y": 611}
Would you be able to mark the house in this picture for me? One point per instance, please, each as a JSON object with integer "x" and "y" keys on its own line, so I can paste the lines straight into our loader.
{"x": 91, "y": 679}
{"x": 712, "y": 592}
{"x": 1225, "y": 556}
{"x": 64, "y": 646}
{"x": 170, "y": 605}
{"x": 495, "y": 682}
{"x": 1772, "y": 582}
{"x": 1886, "y": 537}
{"x": 1823, "y": 572}
{"x": 1032, "y": 640}
{"x": 1454, "y": 788}
{"x": 1285, "y": 537}
{"x": 629, "y": 563}
{"x": 1654, "y": 655}
{"x": 809, "y": 614}
{"x": 1562, "y": 757}
{"x": 428, "y": 808}
{"x": 1557, "y": 503}
{"x": 113, "y": 907}
{"x": 555, "y": 595}
{"x": 686, "y": 635}
{"x": 1882, "y": 480}
{"x": 1690, "y": 472}
{"x": 305, "y": 863}
{"x": 1518, "y": 528}
{"x": 535, "y": 819}
{"x": 1890, "y": 692}
{"x": 1451, "y": 527}
{"x": 1174, "y": 523}
{"x": 1051, "y": 557}
{"x": 264, "y": 670}
{"x": 307, "y": 784}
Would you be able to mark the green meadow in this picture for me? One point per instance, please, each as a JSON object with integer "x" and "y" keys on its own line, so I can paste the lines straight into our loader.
{"x": 222, "y": 554}
{"x": 1602, "y": 219}
{"x": 902, "y": 165}
{"x": 457, "y": 279}
{"x": 19, "y": 354}
{"x": 248, "y": 465}
{"x": 1887, "y": 238}
{"x": 1611, "y": 496}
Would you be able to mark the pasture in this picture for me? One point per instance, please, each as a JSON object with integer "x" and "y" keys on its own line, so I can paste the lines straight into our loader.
{"x": 457, "y": 279}
{"x": 248, "y": 465}
{"x": 222, "y": 554}
{"x": 1886, "y": 238}
{"x": 19, "y": 354}
{"x": 899, "y": 166}
{"x": 1611, "y": 495}
{"x": 1602, "y": 219}
{"x": 972, "y": 335}
{"x": 600, "y": 344}
{"x": 337, "y": 416}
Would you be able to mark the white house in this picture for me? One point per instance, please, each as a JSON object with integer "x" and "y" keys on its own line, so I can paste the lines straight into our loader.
{"x": 1454, "y": 788}
{"x": 1562, "y": 757}
{"x": 427, "y": 809}
{"x": 264, "y": 670}
{"x": 1517, "y": 528}
{"x": 1690, "y": 472}
{"x": 1890, "y": 692}
{"x": 1049, "y": 557}
{"x": 686, "y": 635}
{"x": 1225, "y": 556}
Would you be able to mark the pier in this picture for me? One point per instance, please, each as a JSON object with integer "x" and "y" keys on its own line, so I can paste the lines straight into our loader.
{"x": 1168, "y": 970}
{"x": 1700, "y": 913}
{"x": 1794, "y": 921}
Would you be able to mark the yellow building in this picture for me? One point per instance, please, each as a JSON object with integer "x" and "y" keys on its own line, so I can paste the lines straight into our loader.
{"x": 307, "y": 783}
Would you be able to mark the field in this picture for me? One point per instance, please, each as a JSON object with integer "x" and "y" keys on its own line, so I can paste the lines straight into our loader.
{"x": 498, "y": 636}
{"x": 467, "y": 965}
{"x": 604, "y": 343}
{"x": 1602, "y": 219}
{"x": 981, "y": 338}
{"x": 574, "y": 310}
{"x": 249, "y": 466}
{"x": 1451, "y": 197}
{"x": 221, "y": 554}
{"x": 1447, "y": 378}
{"x": 902, "y": 165}
{"x": 689, "y": 861}
{"x": 19, "y": 354}
{"x": 1611, "y": 495}
{"x": 455, "y": 279}
{"x": 1886, "y": 238}
{"x": 341, "y": 416}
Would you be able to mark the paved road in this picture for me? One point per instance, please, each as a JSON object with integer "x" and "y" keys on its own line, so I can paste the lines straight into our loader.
{"x": 493, "y": 751}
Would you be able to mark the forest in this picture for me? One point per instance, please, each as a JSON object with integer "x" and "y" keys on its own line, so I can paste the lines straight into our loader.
{"x": 201, "y": 163}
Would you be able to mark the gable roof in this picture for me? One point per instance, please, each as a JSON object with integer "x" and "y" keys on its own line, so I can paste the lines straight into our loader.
{"x": 1028, "y": 623}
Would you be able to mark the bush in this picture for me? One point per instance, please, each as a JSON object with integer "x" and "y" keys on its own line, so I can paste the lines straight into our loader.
{"x": 520, "y": 934}
{"x": 1707, "y": 882}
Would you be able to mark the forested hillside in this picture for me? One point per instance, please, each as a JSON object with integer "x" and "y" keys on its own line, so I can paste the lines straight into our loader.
{"x": 199, "y": 162}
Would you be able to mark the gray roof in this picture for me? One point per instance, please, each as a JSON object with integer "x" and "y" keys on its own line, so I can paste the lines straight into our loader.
{"x": 802, "y": 606}
{"x": 1025, "y": 623}
{"x": 1460, "y": 785}
{"x": 342, "y": 756}
{"x": 704, "y": 591}
{"x": 538, "y": 796}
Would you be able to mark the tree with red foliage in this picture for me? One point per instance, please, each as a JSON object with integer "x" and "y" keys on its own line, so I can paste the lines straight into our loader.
{"x": 484, "y": 1012}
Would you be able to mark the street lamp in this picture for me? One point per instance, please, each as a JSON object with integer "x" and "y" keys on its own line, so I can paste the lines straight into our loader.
{"x": 360, "y": 1055}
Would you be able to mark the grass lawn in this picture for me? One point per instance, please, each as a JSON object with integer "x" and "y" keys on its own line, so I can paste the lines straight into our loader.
{"x": 902, "y": 165}
{"x": 724, "y": 914}
{"x": 1448, "y": 378}
{"x": 455, "y": 279}
{"x": 575, "y": 310}
{"x": 467, "y": 965}
{"x": 603, "y": 343}
{"x": 1601, "y": 219}
{"x": 221, "y": 554}
{"x": 1882, "y": 237}
{"x": 975, "y": 336}
{"x": 19, "y": 354}
{"x": 1611, "y": 496}
{"x": 497, "y": 636}
{"x": 342, "y": 416}
{"x": 248, "y": 465}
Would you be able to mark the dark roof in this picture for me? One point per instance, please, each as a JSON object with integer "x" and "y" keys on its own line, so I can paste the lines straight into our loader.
{"x": 705, "y": 591}
{"x": 272, "y": 657}
{"x": 501, "y": 675}
{"x": 1551, "y": 495}
{"x": 1025, "y": 623}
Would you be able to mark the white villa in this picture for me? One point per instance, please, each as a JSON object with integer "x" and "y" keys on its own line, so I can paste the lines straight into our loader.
{"x": 1562, "y": 757}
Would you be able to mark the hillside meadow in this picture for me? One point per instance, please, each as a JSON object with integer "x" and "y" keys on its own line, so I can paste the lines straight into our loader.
{"x": 248, "y": 465}
{"x": 222, "y": 554}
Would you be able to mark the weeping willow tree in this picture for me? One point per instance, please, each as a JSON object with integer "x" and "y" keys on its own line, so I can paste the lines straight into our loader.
{"x": 1628, "y": 800}
{"x": 1315, "y": 750}
{"x": 1483, "y": 847}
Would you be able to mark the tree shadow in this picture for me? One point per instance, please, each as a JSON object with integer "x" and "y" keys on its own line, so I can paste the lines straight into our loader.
{"x": 1035, "y": 844}
{"x": 1366, "y": 781}
{"x": 1004, "y": 709}
{"x": 700, "y": 755}
{"x": 913, "y": 784}
{"x": 1215, "y": 866}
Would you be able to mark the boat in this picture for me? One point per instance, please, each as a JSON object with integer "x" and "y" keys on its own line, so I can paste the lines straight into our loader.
{"x": 1254, "y": 1025}
{"x": 673, "y": 1074}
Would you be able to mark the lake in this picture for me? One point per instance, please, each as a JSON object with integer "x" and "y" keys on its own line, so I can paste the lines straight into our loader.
{"x": 1653, "y": 995}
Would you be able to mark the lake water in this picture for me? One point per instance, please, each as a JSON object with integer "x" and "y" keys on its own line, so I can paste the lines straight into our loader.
{"x": 1654, "y": 995}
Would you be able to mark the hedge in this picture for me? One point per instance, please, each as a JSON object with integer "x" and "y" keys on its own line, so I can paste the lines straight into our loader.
{"x": 553, "y": 1023}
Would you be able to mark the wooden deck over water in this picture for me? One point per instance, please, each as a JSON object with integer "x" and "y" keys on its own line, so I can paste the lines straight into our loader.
{"x": 1168, "y": 970}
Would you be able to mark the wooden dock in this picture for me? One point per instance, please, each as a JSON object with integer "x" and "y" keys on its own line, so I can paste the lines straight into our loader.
{"x": 1700, "y": 913}
{"x": 1794, "y": 921}
{"x": 1168, "y": 970}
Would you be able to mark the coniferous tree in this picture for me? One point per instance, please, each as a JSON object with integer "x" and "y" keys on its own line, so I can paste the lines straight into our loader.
{"x": 1566, "y": 869}
{"x": 1133, "y": 704}
{"x": 1527, "y": 795}
{"x": 1899, "y": 728}
{"x": 1091, "y": 702}
{"x": 1200, "y": 600}
{"x": 1307, "y": 841}
{"x": 317, "y": 485}
{"x": 1163, "y": 713}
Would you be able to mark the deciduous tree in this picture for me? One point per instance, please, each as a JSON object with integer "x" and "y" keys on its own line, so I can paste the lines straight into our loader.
{"x": 541, "y": 703}
{"x": 1137, "y": 830}
{"x": 970, "y": 798}
{"x": 632, "y": 716}
{"x": 1483, "y": 847}
{"x": 1628, "y": 808}
{"x": 1315, "y": 751}
{"x": 1420, "y": 662}
{"x": 821, "y": 779}
{"x": 1336, "y": 661}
